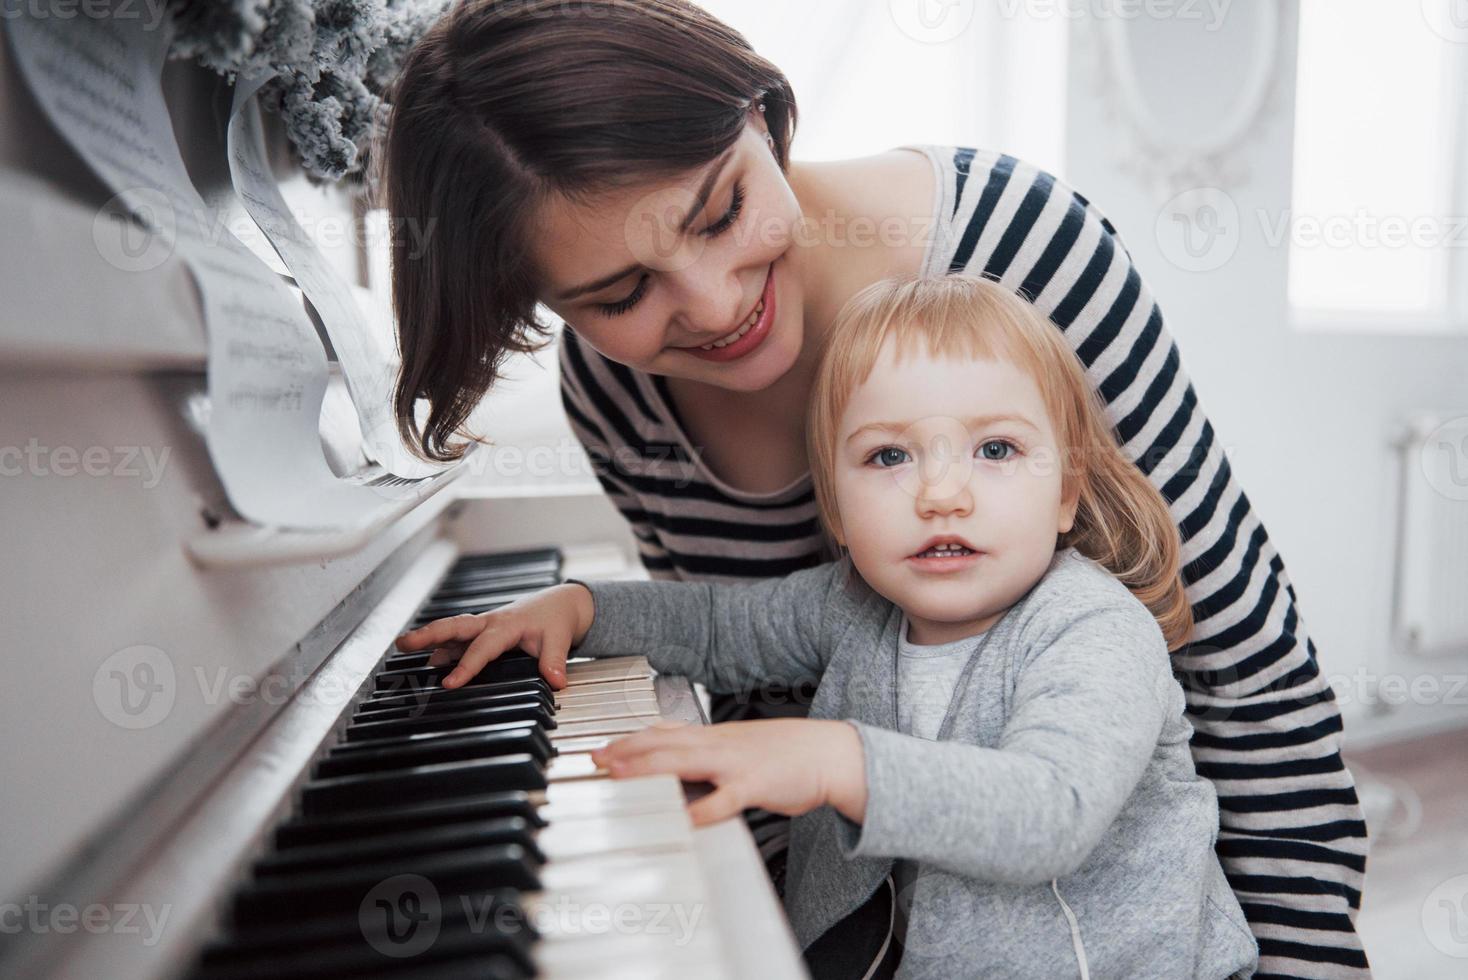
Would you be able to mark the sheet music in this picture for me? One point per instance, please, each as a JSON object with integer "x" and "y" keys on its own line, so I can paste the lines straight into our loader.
{"x": 98, "y": 81}
{"x": 368, "y": 362}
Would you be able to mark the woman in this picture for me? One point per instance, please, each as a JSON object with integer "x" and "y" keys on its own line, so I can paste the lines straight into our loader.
{"x": 626, "y": 164}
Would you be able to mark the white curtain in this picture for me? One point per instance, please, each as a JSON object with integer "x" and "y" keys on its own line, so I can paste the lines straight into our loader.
{"x": 873, "y": 74}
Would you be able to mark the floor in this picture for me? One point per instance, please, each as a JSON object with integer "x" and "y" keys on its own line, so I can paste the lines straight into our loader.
{"x": 1414, "y": 907}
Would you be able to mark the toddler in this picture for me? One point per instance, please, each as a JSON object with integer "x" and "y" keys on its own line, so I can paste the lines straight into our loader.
{"x": 994, "y": 779}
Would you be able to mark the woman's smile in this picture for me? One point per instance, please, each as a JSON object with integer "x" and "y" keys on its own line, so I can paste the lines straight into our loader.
{"x": 749, "y": 335}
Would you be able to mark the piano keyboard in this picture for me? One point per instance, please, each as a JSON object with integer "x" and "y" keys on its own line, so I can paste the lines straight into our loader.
{"x": 466, "y": 833}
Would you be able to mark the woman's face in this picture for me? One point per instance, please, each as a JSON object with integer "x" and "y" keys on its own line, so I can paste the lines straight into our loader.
{"x": 677, "y": 266}
{"x": 962, "y": 450}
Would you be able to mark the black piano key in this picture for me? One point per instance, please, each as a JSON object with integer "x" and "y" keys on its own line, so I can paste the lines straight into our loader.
{"x": 435, "y": 693}
{"x": 496, "y": 580}
{"x": 471, "y": 584}
{"x": 479, "y": 699}
{"x": 475, "y": 950}
{"x": 439, "y": 781}
{"x": 340, "y": 891}
{"x": 524, "y": 739}
{"x": 422, "y": 738}
{"x": 428, "y": 781}
{"x": 439, "y": 608}
{"x": 511, "y": 666}
{"x": 548, "y": 555}
{"x": 500, "y": 906}
{"x": 305, "y": 831}
{"x": 421, "y": 840}
{"x": 419, "y": 660}
{"x": 535, "y": 711}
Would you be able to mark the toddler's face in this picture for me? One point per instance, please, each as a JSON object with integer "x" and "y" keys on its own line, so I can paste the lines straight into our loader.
{"x": 949, "y": 449}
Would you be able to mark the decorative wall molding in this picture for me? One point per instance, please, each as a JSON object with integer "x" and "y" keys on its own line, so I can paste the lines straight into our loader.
{"x": 1143, "y": 148}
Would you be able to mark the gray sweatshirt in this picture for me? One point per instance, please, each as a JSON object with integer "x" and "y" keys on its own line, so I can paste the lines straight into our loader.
{"x": 1061, "y": 785}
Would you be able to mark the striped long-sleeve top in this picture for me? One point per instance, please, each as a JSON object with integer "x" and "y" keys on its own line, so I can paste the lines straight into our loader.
{"x": 1292, "y": 840}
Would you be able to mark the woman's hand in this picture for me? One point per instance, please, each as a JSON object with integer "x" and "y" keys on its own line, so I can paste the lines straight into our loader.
{"x": 786, "y": 765}
{"x": 546, "y": 625}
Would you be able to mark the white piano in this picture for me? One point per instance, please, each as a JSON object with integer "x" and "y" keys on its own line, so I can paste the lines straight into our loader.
{"x": 215, "y": 765}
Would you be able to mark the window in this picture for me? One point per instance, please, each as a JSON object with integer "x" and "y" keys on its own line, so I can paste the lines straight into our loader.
{"x": 1377, "y": 232}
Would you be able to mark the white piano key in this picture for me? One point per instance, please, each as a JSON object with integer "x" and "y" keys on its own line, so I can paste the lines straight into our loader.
{"x": 607, "y": 669}
{"x": 565, "y": 801}
{"x": 671, "y": 876}
{"x": 578, "y": 766}
{"x": 628, "y": 915}
{"x": 610, "y": 726}
{"x": 582, "y": 743}
{"x": 599, "y": 693}
{"x": 622, "y": 708}
{"x": 643, "y": 833}
{"x": 632, "y": 957}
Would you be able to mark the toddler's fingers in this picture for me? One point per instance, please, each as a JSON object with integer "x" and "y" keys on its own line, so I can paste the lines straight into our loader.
{"x": 656, "y": 735}
{"x": 681, "y": 761}
{"x": 446, "y": 654}
{"x": 551, "y": 648}
{"x": 441, "y": 632}
{"x": 494, "y": 640}
{"x": 724, "y": 802}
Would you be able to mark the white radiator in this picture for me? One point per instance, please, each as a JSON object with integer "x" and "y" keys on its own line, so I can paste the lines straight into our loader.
{"x": 1430, "y": 601}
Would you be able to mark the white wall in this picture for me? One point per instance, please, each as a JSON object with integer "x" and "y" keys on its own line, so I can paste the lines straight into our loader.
{"x": 1304, "y": 414}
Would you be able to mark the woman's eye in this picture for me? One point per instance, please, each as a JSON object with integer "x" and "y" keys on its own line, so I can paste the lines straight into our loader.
{"x": 713, "y": 230}
{"x": 622, "y": 306}
{"x": 1002, "y": 445}
{"x": 730, "y": 216}
{"x": 887, "y": 456}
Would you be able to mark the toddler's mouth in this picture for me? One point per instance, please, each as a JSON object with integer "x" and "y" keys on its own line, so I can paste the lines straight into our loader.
{"x": 944, "y": 551}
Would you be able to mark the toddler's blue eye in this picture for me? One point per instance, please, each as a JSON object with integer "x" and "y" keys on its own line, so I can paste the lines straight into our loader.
{"x": 1004, "y": 447}
{"x": 884, "y": 456}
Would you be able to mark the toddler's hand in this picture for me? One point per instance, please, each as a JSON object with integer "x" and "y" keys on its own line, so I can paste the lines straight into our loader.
{"x": 785, "y": 765}
{"x": 546, "y": 625}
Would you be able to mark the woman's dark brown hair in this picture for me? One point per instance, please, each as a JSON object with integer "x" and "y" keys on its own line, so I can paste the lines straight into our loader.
{"x": 506, "y": 102}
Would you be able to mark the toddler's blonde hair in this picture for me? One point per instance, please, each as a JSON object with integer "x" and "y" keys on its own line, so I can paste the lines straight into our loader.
{"x": 1122, "y": 521}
